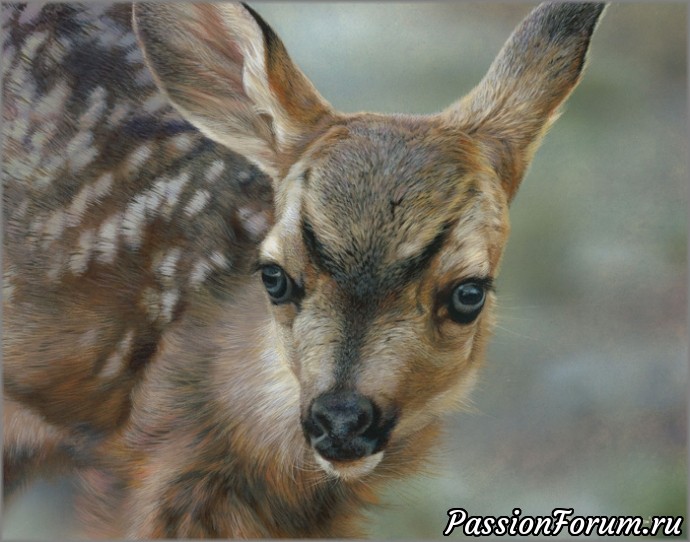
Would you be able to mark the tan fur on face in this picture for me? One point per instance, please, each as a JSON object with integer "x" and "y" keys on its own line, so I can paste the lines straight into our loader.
{"x": 434, "y": 178}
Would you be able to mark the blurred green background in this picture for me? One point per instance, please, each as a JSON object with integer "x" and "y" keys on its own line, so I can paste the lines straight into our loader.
{"x": 582, "y": 402}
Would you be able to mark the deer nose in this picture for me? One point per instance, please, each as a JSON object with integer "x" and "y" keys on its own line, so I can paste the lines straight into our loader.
{"x": 343, "y": 425}
{"x": 342, "y": 415}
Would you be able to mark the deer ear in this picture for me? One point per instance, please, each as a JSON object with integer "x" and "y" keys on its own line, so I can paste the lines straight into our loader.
{"x": 535, "y": 71}
{"x": 228, "y": 74}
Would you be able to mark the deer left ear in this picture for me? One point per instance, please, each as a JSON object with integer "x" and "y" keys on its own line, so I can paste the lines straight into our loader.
{"x": 228, "y": 74}
{"x": 533, "y": 74}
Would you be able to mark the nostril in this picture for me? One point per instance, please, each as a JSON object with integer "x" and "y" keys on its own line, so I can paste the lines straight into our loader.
{"x": 364, "y": 417}
{"x": 321, "y": 421}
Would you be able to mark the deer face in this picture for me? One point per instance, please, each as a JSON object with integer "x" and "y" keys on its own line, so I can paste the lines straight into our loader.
{"x": 389, "y": 230}
{"x": 379, "y": 272}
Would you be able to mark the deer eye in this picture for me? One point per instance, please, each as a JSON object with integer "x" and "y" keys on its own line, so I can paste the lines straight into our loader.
{"x": 466, "y": 301}
{"x": 279, "y": 285}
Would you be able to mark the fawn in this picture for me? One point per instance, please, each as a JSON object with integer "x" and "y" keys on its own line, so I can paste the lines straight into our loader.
{"x": 233, "y": 308}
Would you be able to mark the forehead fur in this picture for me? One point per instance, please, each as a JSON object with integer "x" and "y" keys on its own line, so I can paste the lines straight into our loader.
{"x": 384, "y": 191}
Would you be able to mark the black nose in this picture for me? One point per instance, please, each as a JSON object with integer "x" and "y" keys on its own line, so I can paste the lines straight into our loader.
{"x": 342, "y": 415}
{"x": 343, "y": 425}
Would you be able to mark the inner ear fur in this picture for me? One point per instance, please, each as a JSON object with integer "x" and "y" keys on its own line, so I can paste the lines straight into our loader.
{"x": 228, "y": 74}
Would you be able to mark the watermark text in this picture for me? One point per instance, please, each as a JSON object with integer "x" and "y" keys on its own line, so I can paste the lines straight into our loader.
{"x": 561, "y": 521}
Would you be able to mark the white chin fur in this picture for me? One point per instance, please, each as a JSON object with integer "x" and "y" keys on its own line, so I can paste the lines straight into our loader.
{"x": 349, "y": 470}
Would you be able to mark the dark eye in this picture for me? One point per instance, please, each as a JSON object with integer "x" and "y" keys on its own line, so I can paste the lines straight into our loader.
{"x": 466, "y": 302}
{"x": 278, "y": 285}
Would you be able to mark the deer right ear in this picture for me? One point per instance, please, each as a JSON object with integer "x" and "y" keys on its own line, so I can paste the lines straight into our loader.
{"x": 228, "y": 74}
{"x": 533, "y": 74}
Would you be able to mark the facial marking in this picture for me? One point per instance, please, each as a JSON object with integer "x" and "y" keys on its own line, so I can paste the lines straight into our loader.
{"x": 351, "y": 470}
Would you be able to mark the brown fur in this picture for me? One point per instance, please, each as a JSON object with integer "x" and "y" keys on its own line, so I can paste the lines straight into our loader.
{"x": 195, "y": 427}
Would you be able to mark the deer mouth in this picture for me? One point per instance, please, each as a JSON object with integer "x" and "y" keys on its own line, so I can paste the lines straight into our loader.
{"x": 349, "y": 470}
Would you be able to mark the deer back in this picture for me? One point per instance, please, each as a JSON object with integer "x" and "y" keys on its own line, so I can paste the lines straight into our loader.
{"x": 117, "y": 213}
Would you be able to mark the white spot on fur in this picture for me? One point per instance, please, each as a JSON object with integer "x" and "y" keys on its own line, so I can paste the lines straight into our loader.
{"x": 128, "y": 39}
{"x": 57, "y": 268}
{"x": 170, "y": 191}
{"x": 133, "y": 221}
{"x": 197, "y": 203}
{"x": 220, "y": 260}
{"x": 138, "y": 156}
{"x": 34, "y": 228}
{"x": 115, "y": 362}
{"x": 161, "y": 198}
{"x": 134, "y": 56}
{"x": 214, "y": 171}
{"x": 81, "y": 150}
{"x": 32, "y": 43}
{"x": 143, "y": 77}
{"x": 96, "y": 107}
{"x": 155, "y": 103}
{"x": 88, "y": 339}
{"x": 54, "y": 227}
{"x": 108, "y": 39}
{"x": 90, "y": 193}
{"x": 200, "y": 270}
{"x": 40, "y": 138}
{"x": 102, "y": 186}
{"x": 182, "y": 142}
{"x": 254, "y": 223}
{"x": 168, "y": 302}
{"x": 153, "y": 202}
{"x": 107, "y": 243}
{"x": 76, "y": 210}
{"x": 168, "y": 265}
{"x": 79, "y": 260}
